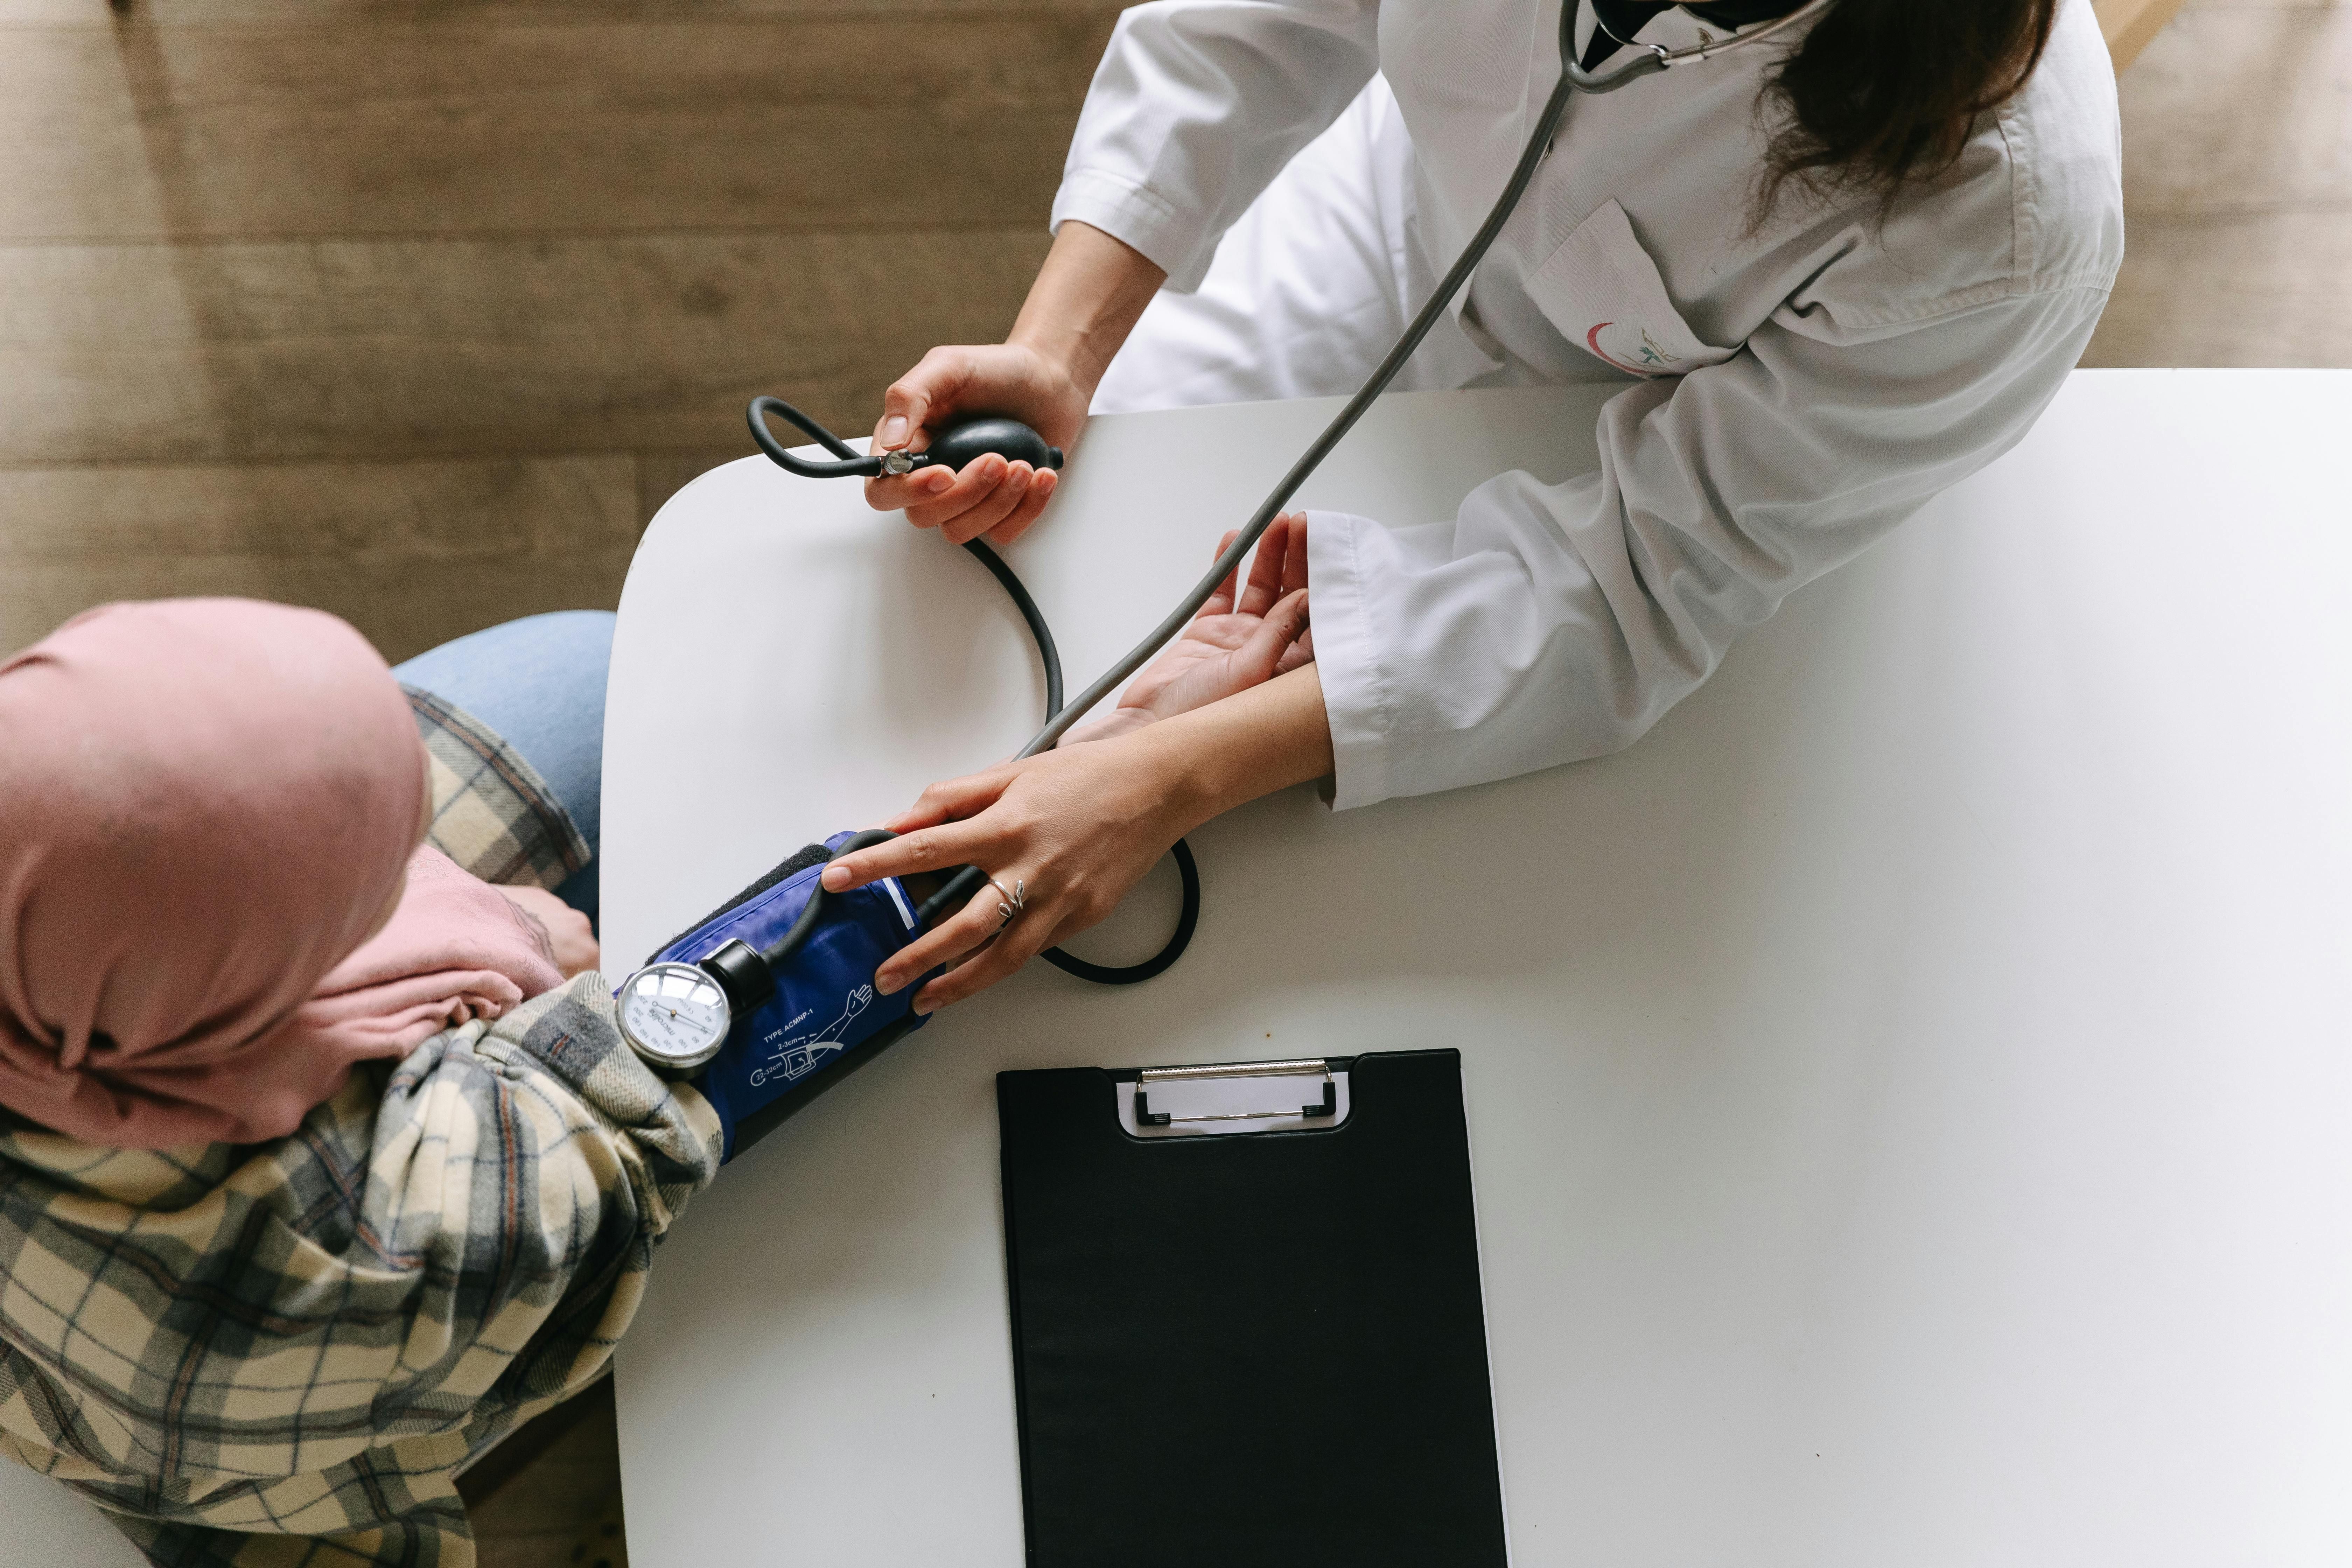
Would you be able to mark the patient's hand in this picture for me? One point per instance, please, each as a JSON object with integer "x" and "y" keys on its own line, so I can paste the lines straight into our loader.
{"x": 1231, "y": 646}
{"x": 568, "y": 938}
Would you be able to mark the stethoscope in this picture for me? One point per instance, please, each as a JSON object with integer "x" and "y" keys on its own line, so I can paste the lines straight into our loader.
{"x": 679, "y": 1016}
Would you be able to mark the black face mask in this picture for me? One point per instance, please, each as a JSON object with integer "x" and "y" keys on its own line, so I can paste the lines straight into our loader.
{"x": 1627, "y": 17}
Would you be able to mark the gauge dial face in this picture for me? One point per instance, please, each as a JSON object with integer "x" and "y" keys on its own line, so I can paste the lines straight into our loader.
{"x": 674, "y": 1015}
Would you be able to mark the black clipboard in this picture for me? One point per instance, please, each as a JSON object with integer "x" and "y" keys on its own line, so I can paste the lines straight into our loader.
{"x": 1255, "y": 1344}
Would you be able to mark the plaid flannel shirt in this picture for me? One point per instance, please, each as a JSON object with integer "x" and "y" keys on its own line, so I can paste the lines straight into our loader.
{"x": 280, "y": 1353}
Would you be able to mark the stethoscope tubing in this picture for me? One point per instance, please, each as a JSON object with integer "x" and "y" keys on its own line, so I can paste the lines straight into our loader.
{"x": 1573, "y": 80}
{"x": 1060, "y": 716}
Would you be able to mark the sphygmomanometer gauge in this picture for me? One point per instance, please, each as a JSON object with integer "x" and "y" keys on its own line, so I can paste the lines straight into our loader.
{"x": 674, "y": 1016}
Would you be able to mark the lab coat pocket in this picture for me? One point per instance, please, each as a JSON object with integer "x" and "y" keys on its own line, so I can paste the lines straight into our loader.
{"x": 1602, "y": 291}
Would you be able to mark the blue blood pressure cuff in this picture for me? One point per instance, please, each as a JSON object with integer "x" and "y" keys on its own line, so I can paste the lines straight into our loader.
{"x": 827, "y": 1017}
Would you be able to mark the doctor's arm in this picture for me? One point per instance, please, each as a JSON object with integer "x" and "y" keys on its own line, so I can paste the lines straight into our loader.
{"x": 1541, "y": 625}
{"x": 1197, "y": 105}
{"x": 1546, "y": 624}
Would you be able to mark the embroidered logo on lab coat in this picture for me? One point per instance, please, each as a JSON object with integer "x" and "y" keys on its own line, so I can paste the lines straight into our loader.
{"x": 1650, "y": 359}
{"x": 1602, "y": 290}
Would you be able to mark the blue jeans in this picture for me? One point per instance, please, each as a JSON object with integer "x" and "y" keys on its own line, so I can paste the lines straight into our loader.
{"x": 539, "y": 683}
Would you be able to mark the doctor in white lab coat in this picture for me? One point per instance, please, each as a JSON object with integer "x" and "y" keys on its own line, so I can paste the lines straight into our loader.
{"x": 1835, "y": 275}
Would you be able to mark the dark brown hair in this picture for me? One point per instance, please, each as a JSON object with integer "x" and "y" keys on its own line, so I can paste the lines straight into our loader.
{"x": 1882, "y": 92}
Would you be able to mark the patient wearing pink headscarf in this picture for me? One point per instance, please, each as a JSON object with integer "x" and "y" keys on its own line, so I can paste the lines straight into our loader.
{"x": 317, "y": 1178}
{"x": 214, "y": 896}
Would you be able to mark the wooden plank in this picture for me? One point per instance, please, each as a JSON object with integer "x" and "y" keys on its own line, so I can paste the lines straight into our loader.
{"x": 2231, "y": 288}
{"x": 412, "y": 553}
{"x": 411, "y": 348}
{"x": 2128, "y": 24}
{"x": 465, "y": 128}
{"x": 2242, "y": 110}
{"x": 568, "y": 1495}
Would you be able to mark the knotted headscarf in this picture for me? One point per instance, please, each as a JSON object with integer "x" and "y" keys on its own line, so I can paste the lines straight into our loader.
{"x": 207, "y": 808}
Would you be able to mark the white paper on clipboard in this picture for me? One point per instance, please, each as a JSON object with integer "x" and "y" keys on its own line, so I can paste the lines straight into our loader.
{"x": 1233, "y": 1105}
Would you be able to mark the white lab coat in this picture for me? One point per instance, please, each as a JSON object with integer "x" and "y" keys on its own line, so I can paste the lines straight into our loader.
{"x": 1794, "y": 390}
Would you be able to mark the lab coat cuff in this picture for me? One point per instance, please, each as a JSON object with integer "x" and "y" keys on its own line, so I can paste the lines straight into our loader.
{"x": 1138, "y": 216}
{"x": 1347, "y": 655}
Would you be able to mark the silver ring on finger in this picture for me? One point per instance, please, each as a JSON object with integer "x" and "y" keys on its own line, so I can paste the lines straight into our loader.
{"x": 1009, "y": 903}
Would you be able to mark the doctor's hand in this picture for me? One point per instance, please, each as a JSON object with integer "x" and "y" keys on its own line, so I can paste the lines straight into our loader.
{"x": 1084, "y": 304}
{"x": 1072, "y": 830}
{"x": 1234, "y": 644}
{"x": 991, "y": 496}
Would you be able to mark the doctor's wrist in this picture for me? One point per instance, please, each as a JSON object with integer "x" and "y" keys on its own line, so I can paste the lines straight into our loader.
{"x": 1086, "y": 301}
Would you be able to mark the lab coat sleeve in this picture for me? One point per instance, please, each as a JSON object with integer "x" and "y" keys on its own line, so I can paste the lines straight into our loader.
{"x": 1196, "y": 106}
{"x": 1550, "y": 623}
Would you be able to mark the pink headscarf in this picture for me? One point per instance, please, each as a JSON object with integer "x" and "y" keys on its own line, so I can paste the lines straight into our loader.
{"x": 205, "y": 804}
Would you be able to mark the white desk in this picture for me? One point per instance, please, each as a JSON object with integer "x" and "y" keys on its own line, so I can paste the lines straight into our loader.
{"x": 1912, "y": 1113}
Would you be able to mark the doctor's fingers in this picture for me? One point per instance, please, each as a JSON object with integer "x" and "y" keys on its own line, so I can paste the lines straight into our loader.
{"x": 983, "y": 495}
{"x": 1041, "y": 490}
{"x": 1298, "y": 653}
{"x": 1294, "y": 556}
{"x": 1014, "y": 482}
{"x": 1221, "y": 602}
{"x": 905, "y": 492}
{"x": 953, "y": 937}
{"x": 1029, "y": 932}
{"x": 932, "y": 497}
{"x": 934, "y": 382}
{"x": 1252, "y": 662}
{"x": 1283, "y": 625}
{"x": 1265, "y": 569}
{"x": 1271, "y": 572}
{"x": 956, "y": 799}
{"x": 935, "y": 848}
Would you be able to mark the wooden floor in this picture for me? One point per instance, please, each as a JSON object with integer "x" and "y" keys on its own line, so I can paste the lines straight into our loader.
{"x": 2237, "y": 190}
{"x": 416, "y": 308}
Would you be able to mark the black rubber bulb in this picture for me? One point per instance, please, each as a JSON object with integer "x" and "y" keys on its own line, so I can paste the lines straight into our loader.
{"x": 966, "y": 440}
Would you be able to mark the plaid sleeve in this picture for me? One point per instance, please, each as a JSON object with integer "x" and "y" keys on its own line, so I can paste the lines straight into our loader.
{"x": 492, "y": 813}
{"x": 282, "y": 1353}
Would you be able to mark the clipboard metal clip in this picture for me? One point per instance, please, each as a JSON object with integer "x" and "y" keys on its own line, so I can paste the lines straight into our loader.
{"x": 1147, "y": 1117}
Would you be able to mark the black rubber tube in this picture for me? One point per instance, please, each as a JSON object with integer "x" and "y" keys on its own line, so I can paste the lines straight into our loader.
{"x": 1103, "y": 975}
{"x": 961, "y": 886}
{"x": 850, "y": 466}
{"x": 1047, "y": 653}
{"x": 812, "y": 912}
